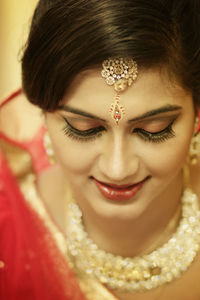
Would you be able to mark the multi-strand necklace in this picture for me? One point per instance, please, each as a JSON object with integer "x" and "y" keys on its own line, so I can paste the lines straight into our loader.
{"x": 138, "y": 273}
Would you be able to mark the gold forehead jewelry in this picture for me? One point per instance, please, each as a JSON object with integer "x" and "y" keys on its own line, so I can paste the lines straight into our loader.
{"x": 121, "y": 73}
{"x": 139, "y": 273}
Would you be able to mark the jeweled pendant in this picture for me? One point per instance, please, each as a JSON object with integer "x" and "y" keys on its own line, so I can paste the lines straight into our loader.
{"x": 117, "y": 111}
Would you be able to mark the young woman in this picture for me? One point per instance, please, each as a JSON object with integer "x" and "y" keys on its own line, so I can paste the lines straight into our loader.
{"x": 113, "y": 212}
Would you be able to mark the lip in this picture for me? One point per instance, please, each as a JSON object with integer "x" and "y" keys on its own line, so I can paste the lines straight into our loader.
{"x": 119, "y": 193}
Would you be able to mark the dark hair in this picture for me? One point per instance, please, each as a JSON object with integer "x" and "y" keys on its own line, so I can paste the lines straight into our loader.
{"x": 69, "y": 36}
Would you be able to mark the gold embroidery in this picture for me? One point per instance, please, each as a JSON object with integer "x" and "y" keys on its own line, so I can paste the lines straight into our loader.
{"x": 2, "y": 264}
{"x": 18, "y": 159}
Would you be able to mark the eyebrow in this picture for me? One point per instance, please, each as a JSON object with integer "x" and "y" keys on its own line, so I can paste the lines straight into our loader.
{"x": 157, "y": 111}
{"x": 80, "y": 112}
{"x": 151, "y": 113}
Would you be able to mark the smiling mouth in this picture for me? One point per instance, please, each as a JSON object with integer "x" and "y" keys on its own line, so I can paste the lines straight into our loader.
{"x": 119, "y": 192}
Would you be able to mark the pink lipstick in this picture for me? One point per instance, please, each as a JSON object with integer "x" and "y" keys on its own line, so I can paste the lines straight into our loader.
{"x": 119, "y": 192}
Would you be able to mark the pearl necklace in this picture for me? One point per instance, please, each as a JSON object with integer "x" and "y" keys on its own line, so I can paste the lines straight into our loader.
{"x": 149, "y": 271}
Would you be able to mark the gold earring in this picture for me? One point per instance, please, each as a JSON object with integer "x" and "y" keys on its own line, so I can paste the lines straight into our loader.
{"x": 49, "y": 148}
{"x": 194, "y": 150}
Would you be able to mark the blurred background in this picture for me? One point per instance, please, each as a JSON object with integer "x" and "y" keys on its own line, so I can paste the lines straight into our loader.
{"x": 15, "y": 18}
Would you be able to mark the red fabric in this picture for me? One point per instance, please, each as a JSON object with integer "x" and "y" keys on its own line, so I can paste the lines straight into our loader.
{"x": 34, "y": 267}
{"x": 12, "y": 96}
{"x": 35, "y": 147}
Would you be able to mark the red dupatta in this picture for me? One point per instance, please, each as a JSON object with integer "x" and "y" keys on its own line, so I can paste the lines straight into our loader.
{"x": 31, "y": 265}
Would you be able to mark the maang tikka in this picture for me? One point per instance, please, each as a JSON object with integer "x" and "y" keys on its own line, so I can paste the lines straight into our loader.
{"x": 120, "y": 72}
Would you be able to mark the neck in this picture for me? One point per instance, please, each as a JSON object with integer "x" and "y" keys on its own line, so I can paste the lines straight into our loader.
{"x": 140, "y": 235}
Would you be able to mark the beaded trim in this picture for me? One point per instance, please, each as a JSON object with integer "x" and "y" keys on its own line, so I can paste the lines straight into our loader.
{"x": 138, "y": 273}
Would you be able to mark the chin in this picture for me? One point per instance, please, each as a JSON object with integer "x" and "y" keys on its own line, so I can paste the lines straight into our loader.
{"x": 108, "y": 210}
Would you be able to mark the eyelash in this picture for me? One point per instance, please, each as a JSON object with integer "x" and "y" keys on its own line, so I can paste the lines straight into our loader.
{"x": 156, "y": 137}
{"x": 94, "y": 133}
{"x": 82, "y": 136}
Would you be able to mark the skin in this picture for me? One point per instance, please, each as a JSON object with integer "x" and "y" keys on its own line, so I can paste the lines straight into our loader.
{"x": 26, "y": 119}
{"x": 121, "y": 156}
{"x": 138, "y": 226}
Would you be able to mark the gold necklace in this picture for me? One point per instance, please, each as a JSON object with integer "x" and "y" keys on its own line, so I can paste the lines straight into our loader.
{"x": 149, "y": 271}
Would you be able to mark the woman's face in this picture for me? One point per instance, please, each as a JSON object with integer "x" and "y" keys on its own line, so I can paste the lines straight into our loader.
{"x": 145, "y": 151}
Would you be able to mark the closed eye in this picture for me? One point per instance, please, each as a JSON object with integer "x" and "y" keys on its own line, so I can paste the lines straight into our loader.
{"x": 156, "y": 137}
{"x": 82, "y": 135}
{"x": 96, "y": 132}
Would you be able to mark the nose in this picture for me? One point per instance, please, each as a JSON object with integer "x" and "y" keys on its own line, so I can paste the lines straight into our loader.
{"x": 118, "y": 161}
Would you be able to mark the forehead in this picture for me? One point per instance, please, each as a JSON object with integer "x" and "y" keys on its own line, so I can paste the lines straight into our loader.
{"x": 152, "y": 89}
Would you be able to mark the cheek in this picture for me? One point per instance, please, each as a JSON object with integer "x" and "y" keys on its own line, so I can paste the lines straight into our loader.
{"x": 166, "y": 159}
{"x": 75, "y": 157}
